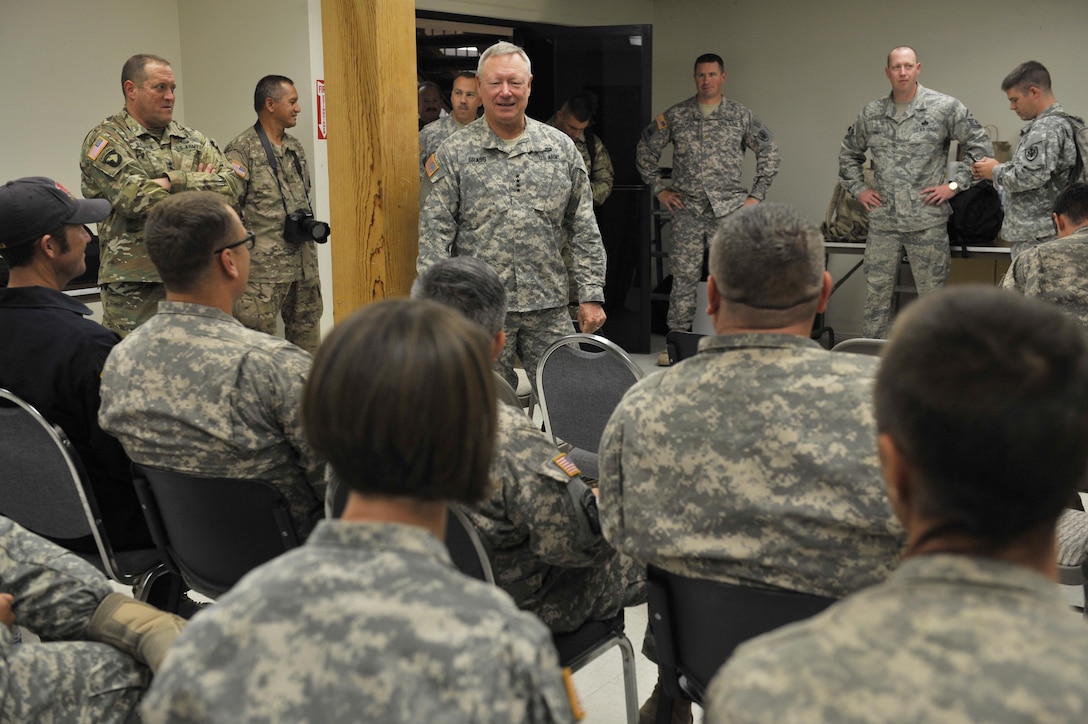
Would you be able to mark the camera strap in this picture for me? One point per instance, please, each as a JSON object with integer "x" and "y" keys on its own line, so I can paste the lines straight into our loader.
{"x": 275, "y": 167}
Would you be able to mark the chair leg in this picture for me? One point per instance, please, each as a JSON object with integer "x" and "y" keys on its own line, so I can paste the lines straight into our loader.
{"x": 630, "y": 680}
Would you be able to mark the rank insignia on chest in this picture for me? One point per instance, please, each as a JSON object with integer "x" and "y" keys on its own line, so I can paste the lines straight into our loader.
{"x": 662, "y": 124}
{"x": 97, "y": 148}
{"x": 239, "y": 169}
{"x": 112, "y": 159}
{"x": 431, "y": 167}
{"x": 567, "y": 465}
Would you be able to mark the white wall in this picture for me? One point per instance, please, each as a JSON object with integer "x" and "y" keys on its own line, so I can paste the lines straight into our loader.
{"x": 805, "y": 67}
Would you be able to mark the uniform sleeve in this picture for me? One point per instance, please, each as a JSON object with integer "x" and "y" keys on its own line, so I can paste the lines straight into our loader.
{"x": 540, "y": 498}
{"x": 115, "y": 174}
{"x": 539, "y": 673}
{"x": 603, "y": 173}
{"x": 55, "y": 591}
{"x": 760, "y": 139}
{"x": 587, "y": 248}
{"x": 438, "y": 218}
{"x": 293, "y": 369}
{"x": 852, "y": 157}
{"x": 1032, "y": 166}
{"x": 610, "y": 485}
{"x": 1023, "y": 276}
{"x": 239, "y": 161}
{"x": 222, "y": 181}
{"x": 655, "y": 137}
{"x": 974, "y": 141}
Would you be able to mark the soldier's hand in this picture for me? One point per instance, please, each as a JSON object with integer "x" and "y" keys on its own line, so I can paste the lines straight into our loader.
{"x": 7, "y": 615}
{"x": 206, "y": 168}
{"x": 750, "y": 201}
{"x": 164, "y": 182}
{"x": 591, "y": 317}
{"x": 870, "y": 199}
{"x": 937, "y": 195}
{"x": 671, "y": 200}
{"x": 984, "y": 168}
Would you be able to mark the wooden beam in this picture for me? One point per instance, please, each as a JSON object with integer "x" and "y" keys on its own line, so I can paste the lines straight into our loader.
{"x": 370, "y": 89}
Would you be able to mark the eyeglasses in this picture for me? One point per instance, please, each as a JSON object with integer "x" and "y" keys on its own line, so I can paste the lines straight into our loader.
{"x": 249, "y": 241}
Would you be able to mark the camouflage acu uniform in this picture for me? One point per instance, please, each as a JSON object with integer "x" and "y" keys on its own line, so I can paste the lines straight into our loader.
{"x": 366, "y": 622}
{"x": 193, "y": 390}
{"x": 601, "y": 176}
{"x": 753, "y": 462}
{"x": 947, "y": 638}
{"x": 431, "y": 137}
{"x": 538, "y": 536}
{"x": 1038, "y": 172}
{"x": 512, "y": 208}
{"x": 283, "y": 276}
{"x": 119, "y": 161}
{"x": 1055, "y": 271}
{"x": 66, "y": 679}
{"x": 910, "y": 153}
{"x": 707, "y": 161}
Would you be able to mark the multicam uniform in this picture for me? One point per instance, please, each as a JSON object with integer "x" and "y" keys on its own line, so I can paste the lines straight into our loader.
{"x": 910, "y": 153}
{"x": 365, "y": 622}
{"x": 538, "y": 535}
{"x": 1055, "y": 271}
{"x": 119, "y": 161}
{"x": 67, "y": 679}
{"x": 511, "y": 207}
{"x": 1033, "y": 178}
{"x": 753, "y": 462}
{"x": 283, "y": 276}
{"x": 708, "y": 158}
{"x": 947, "y": 638}
{"x": 193, "y": 390}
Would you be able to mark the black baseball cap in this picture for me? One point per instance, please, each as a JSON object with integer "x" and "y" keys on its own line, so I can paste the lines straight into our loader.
{"x": 35, "y": 206}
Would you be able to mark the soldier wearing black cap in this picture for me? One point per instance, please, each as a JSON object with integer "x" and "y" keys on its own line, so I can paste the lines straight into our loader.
{"x": 51, "y": 356}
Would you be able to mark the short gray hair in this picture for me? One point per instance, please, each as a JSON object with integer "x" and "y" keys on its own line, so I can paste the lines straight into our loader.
{"x": 468, "y": 285}
{"x": 503, "y": 48}
{"x": 769, "y": 258}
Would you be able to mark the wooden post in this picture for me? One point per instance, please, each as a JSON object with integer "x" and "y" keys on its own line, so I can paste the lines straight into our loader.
{"x": 370, "y": 88}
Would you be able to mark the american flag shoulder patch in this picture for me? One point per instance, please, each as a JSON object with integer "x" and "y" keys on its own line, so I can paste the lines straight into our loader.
{"x": 662, "y": 124}
{"x": 431, "y": 167}
{"x": 96, "y": 148}
{"x": 240, "y": 169}
{"x": 567, "y": 465}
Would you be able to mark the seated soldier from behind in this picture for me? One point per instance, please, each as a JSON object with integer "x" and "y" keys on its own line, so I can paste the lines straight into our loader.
{"x": 52, "y": 356}
{"x": 540, "y": 522}
{"x": 754, "y": 462}
{"x": 369, "y": 619}
{"x": 1056, "y": 270}
{"x": 72, "y": 675}
{"x": 982, "y": 413}
{"x": 192, "y": 389}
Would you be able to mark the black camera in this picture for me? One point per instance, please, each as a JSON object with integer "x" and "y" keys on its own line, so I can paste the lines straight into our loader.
{"x": 302, "y": 226}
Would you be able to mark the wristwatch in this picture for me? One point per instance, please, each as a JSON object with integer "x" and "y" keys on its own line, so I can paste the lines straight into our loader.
{"x": 953, "y": 185}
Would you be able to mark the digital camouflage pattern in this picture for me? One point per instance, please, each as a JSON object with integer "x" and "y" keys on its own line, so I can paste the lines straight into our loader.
{"x": 283, "y": 276}
{"x": 528, "y": 334}
{"x": 753, "y": 462}
{"x": 909, "y": 153}
{"x": 1038, "y": 171}
{"x": 707, "y": 162}
{"x": 542, "y": 549}
{"x": 949, "y": 638}
{"x": 195, "y": 391}
{"x": 63, "y": 679}
{"x": 118, "y": 162}
{"x": 510, "y": 208}
{"x": 365, "y": 622}
{"x": 431, "y": 137}
{"x": 1055, "y": 271}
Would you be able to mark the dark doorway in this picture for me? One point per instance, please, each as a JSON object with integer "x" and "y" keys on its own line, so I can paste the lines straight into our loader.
{"x": 614, "y": 62}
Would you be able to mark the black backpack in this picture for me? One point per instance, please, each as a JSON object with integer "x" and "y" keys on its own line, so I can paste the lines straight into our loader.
{"x": 976, "y": 216}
